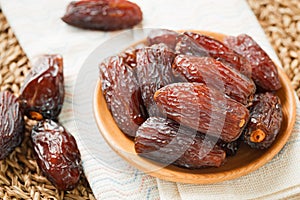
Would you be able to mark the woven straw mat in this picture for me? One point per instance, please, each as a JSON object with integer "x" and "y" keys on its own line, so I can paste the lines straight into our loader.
{"x": 20, "y": 177}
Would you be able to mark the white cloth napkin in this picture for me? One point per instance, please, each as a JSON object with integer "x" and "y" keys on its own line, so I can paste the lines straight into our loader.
{"x": 38, "y": 27}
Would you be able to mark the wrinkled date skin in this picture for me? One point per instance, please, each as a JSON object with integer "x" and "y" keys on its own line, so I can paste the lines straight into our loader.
{"x": 187, "y": 46}
{"x": 265, "y": 121}
{"x": 129, "y": 57}
{"x": 221, "y": 52}
{"x": 42, "y": 94}
{"x": 165, "y": 36}
{"x": 106, "y": 15}
{"x": 230, "y": 148}
{"x": 215, "y": 74}
{"x": 154, "y": 70}
{"x": 122, "y": 94}
{"x": 11, "y": 124}
{"x": 204, "y": 109}
{"x": 264, "y": 71}
{"x": 163, "y": 140}
{"x": 57, "y": 154}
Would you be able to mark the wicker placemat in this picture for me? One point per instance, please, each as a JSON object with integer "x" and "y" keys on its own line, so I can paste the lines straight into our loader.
{"x": 20, "y": 177}
{"x": 281, "y": 21}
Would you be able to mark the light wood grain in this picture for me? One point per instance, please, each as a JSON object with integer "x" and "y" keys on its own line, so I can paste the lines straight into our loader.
{"x": 246, "y": 160}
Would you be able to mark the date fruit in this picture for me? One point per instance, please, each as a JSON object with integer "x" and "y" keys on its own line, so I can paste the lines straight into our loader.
{"x": 129, "y": 57}
{"x": 264, "y": 71}
{"x": 165, "y": 36}
{"x": 154, "y": 69}
{"x": 106, "y": 15}
{"x": 221, "y": 52}
{"x": 42, "y": 94}
{"x": 265, "y": 121}
{"x": 230, "y": 148}
{"x": 165, "y": 141}
{"x": 11, "y": 124}
{"x": 187, "y": 46}
{"x": 122, "y": 94}
{"x": 57, "y": 154}
{"x": 202, "y": 108}
{"x": 215, "y": 74}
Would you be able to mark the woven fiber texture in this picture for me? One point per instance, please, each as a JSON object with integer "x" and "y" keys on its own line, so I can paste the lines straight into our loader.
{"x": 280, "y": 20}
{"x": 20, "y": 177}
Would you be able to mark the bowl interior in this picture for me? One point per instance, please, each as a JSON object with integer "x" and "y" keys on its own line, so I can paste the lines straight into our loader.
{"x": 245, "y": 161}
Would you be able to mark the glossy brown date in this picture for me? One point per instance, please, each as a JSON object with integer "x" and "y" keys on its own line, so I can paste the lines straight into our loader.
{"x": 165, "y": 36}
{"x": 165, "y": 141}
{"x": 42, "y": 93}
{"x": 264, "y": 71}
{"x": 57, "y": 154}
{"x": 154, "y": 70}
{"x": 203, "y": 109}
{"x": 265, "y": 121}
{"x": 221, "y": 52}
{"x": 122, "y": 94}
{"x": 106, "y": 15}
{"x": 11, "y": 124}
{"x": 215, "y": 74}
{"x": 187, "y": 46}
{"x": 129, "y": 57}
{"x": 230, "y": 148}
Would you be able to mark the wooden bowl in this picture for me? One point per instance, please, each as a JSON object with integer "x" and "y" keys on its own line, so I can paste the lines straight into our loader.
{"x": 245, "y": 161}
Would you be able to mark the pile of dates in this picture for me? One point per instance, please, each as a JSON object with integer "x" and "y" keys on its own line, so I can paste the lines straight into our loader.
{"x": 188, "y": 99}
{"x": 41, "y": 99}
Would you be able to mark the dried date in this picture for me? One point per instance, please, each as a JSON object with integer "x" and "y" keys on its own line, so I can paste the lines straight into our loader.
{"x": 187, "y": 46}
{"x": 265, "y": 121}
{"x": 106, "y": 15}
{"x": 57, "y": 154}
{"x": 264, "y": 71}
{"x": 230, "y": 148}
{"x": 165, "y": 141}
{"x": 154, "y": 69}
{"x": 122, "y": 94}
{"x": 165, "y": 36}
{"x": 204, "y": 109}
{"x": 129, "y": 57}
{"x": 42, "y": 94}
{"x": 215, "y": 74}
{"x": 221, "y": 52}
{"x": 11, "y": 124}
